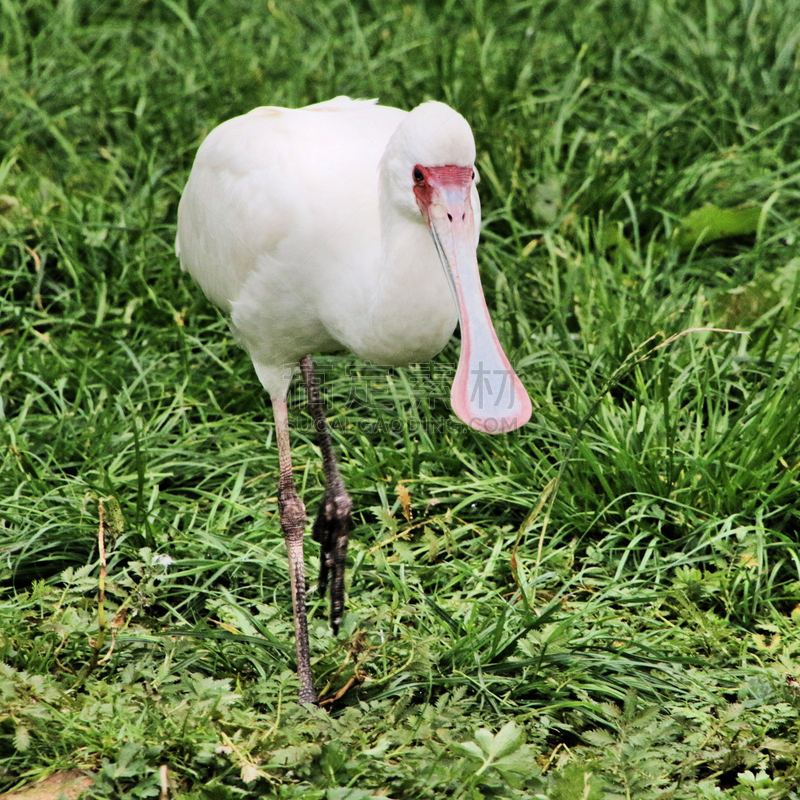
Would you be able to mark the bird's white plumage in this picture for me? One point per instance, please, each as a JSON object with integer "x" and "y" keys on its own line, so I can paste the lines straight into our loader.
{"x": 303, "y": 270}
{"x": 344, "y": 225}
{"x": 348, "y": 225}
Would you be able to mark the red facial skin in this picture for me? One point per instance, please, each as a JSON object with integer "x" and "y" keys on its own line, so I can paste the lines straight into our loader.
{"x": 438, "y": 178}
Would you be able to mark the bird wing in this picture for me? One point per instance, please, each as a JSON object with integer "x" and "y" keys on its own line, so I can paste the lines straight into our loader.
{"x": 227, "y": 216}
{"x": 271, "y": 180}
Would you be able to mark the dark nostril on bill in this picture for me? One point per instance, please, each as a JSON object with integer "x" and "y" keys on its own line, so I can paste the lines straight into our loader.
{"x": 450, "y": 217}
{"x": 463, "y": 216}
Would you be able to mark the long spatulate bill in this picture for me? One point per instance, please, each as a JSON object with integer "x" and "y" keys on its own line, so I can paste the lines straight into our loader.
{"x": 486, "y": 392}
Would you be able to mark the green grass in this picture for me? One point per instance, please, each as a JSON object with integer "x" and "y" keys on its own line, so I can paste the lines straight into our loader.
{"x": 604, "y": 604}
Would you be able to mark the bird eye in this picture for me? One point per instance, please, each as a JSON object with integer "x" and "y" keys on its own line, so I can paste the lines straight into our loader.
{"x": 418, "y": 176}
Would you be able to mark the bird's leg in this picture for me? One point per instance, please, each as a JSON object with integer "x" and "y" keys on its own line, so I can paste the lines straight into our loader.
{"x": 334, "y": 522}
{"x": 293, "y": 521}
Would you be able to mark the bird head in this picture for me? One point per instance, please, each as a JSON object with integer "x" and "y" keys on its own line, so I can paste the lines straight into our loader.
{"x": 430, "y": 162}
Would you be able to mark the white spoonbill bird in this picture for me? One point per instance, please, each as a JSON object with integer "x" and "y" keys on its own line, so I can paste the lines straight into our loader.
{"x": 344, "y": 225}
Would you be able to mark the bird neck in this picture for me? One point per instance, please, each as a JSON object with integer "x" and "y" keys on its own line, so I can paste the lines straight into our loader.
{"x": 412, "y": 312}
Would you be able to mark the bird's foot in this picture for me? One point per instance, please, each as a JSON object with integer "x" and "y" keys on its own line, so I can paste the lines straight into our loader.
{"x": 331, "y": 529}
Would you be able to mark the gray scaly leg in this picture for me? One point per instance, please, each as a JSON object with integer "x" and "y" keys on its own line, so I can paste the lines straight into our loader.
{"x": 334, "y": 522}
{"x": 293, "y": 521}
